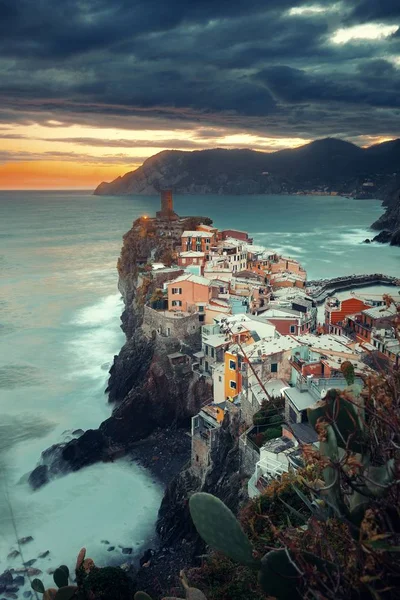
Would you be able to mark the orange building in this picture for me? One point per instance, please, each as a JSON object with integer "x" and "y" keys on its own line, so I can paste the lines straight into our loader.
{"x": 189, "y": 293}
{"x": 337, "y": 310}
{"x": 198, "y": 241}
{"x": 288, "y": 265}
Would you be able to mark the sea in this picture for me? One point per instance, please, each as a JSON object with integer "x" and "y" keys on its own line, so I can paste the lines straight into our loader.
{"x": 60, "y": 329}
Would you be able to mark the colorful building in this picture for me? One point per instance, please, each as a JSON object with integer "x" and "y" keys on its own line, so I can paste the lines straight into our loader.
{"x": 337, "y": 310}
{"x": 189, "y": 293}
{"x": 198, "y": 241}
{"x": 192, "y": 257}
{"x": 377, "y": 317}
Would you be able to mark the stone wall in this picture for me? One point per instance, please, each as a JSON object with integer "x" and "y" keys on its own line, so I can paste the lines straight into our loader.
{"x": 200, "y": 454}
{"x": 249, "y": 456}
{"x": 168, "y": 324}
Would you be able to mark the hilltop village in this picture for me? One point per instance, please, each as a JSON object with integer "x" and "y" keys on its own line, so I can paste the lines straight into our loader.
{"x": 261, "y": 339}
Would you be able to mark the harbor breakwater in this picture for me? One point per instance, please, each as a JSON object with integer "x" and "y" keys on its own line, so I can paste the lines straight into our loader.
{"x": 320, "y": 289}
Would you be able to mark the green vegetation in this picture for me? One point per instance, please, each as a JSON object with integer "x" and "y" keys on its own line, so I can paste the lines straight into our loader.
{"x": 329, "y": 530}
{"x": 93, "y": 583}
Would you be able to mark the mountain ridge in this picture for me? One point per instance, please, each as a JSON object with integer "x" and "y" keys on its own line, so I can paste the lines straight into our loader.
{"x": 330, "y": 163}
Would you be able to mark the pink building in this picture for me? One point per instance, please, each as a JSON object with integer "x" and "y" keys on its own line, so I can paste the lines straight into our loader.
{"x": 190, "y": 293}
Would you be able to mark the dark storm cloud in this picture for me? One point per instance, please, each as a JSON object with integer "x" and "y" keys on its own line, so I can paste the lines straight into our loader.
{"x": 247, "y": 65}
{"x": 376, "y": 10}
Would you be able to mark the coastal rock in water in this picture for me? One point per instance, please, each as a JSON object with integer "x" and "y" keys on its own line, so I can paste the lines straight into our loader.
{"x": 44, "y": 554}
{"x": 20, "y": 580}
{"x": 395, "y": 241}
{"x": 39, "y": 477}
{"x": 13, "y": 554}
{"x": 29, "y": 563}
{"x": 389, "y": 222}
{"x": 383, "y": 237}
{"x": 25, "y": 540}
{"x": 367, "y": 241}
{"x": 86, "y": 450}
{"x": 6, "y": 579}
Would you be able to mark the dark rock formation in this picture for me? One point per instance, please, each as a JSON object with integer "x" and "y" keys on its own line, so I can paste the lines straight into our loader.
{"x": 180, "y": 545}
{"x": 389, "y": 222}
{"x": 383, "y": 237}
{"x": 39, "y": 476}
{"x": 331, "y": 163}
{"x": 147, "y": 390}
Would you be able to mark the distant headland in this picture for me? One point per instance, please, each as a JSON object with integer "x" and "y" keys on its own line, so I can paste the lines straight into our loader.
{"x": 328, "y": 167}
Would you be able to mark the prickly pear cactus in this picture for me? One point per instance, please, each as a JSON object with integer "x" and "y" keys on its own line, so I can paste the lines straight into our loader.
{"x": 220, "y": 529}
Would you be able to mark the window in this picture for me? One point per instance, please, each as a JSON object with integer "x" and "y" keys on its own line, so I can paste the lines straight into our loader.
{"x": 177, "y": 290}
{"x": 184, "y": 261}
{"x": 292, "y": 415}
{"x": 274, "y": 367}
{"x": 202, "y": 318}
{"x": 176, "y": 302}
{"x": 232, "y": 365}
{"x": 206, "y": 348}
{"x": 293, "y": 329}
{"x": 232, "y": 385}
{"x": 197, "y": 458}
{"x": 168, "y": 331}
{"x": 212, "y": 352}
{"x": 219, "y": 378}
{"x": 201, "y": 308}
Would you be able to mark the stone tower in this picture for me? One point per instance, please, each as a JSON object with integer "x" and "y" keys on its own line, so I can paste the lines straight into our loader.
{"x": 167, "y": 203}
{"x": 167, "y": 206}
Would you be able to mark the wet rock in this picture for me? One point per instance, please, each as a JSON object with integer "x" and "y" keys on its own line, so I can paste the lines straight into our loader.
{"x": 105, "y": 542}
{"x": 20, "y": 580}
{"x": 44, "y": 554}
{"x": 27, "y": 594}
{"x": 146, "y": 558}
{"x": 50, "y": 571}
{"x": 12, "y": 595}
{"x": 86, "y": 450}
{"x": 39, "y": 477}
{"x": 383, "y": 237}
{"x": 6, "y": 579}
{"x": 78, "y": 432}
{"x": 13, "y": 554}
{"x": 32, "y": 572}
{"x": 29, "y": 563}
{"x": 126, "y": 550}
{"x": 25, "y": 540}
{"x": 395, "y": 241}
{"x": 111, "y": 548}
{"x": 367, "y": 241}
{"x": 12, "y": 588}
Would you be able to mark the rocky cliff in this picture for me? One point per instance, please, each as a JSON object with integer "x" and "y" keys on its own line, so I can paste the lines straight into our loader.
{"x": 147, "y": 390}
{"x": 389, "y": 223}
{"x": 180, "y": 545}
{"x": 331, "y": 163}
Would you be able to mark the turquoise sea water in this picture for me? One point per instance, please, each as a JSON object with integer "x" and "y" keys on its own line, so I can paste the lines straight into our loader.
{"x": 59, "y": 331}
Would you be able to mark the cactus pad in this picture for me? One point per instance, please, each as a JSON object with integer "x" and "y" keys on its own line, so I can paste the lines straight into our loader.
{"x": 38, "y": 586}
{"x": 220, "y": 529}
{"x": 60, "y": 577}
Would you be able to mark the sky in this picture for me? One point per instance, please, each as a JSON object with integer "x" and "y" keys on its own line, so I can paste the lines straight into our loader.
{"x": 91, "y": 88}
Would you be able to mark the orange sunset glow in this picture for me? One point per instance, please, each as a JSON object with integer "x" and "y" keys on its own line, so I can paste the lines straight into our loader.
{"x": 55, "y": 156}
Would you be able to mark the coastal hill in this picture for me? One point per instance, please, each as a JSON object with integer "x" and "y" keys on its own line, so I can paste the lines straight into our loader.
{"x": 327, "y": 165}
